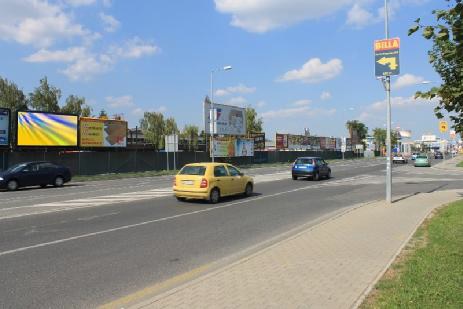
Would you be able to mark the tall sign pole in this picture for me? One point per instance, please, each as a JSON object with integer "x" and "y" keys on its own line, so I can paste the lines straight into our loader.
{"x": 386, "y": 65}
{"x": 212, "y": 117}
{"x": 388, "y": 120}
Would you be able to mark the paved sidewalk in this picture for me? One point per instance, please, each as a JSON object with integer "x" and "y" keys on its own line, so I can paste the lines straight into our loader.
{"x": 450, "y": 164}
{"x": 331, "y": 265}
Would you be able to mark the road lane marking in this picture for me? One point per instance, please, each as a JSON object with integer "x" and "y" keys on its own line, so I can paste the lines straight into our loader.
{"x": 209, "y": 209}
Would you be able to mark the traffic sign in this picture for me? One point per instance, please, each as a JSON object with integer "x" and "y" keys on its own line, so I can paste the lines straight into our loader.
{"x": 443, "y": 126}
{"x": 387, "y": 57}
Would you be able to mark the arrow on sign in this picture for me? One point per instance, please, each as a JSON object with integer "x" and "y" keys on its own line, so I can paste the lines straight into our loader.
{"x": 392, "y": 62}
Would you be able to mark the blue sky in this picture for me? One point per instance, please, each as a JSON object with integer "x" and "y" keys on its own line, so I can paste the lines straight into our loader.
{"x": 300, "y": 63}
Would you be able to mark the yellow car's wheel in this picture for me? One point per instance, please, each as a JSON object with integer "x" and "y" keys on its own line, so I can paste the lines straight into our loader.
{"x": 248, "y": 189}
{"x": 214, "y": 196}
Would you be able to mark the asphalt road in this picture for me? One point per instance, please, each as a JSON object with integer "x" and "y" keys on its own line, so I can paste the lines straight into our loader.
{"x": 85, "y": 256}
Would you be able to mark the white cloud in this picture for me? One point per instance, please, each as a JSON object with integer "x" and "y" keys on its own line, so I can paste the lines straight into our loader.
{"x": 261, "y": 104}
{"x": 239, "y": 89}
{"x": 237, "y": 101}
{"x": 293, "y": 112}
{"x": 111, "y": 24}
{"x": 80, "y": 2}
{"x": 118, "y": 102}
{"x": 376, "y": 109}
{"x": 264, "y": 15}
{"x": 358, "y": 17}
{"x": 86, "y": 68}
{"x": 69, "y": 55}
{"x": 134, "y": 48}
{"x": 302, "y": 102}
{"x": 37, "y": 23}
{"x": 314, "y": 71}
{"x": 107, "y": 3}
{"x": 326, "y": 95}
{"x": 161, "y": 109}
{"x": 407, "y": 80}
{"x": 84, "y": 65}
{"x": 138, "y": 111}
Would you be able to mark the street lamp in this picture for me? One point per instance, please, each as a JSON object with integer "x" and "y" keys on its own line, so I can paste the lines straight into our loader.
{"x": 213, "y": 115}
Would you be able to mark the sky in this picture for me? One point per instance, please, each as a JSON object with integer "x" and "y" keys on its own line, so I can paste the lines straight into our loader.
{"x": 299, "y": 63}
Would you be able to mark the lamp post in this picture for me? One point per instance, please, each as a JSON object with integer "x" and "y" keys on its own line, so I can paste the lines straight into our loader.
{"x": 212, "y": 113}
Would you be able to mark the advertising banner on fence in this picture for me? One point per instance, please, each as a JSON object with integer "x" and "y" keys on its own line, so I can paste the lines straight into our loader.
{"x": 244, "y": 148}
{"x": 46, "y": 129}
{"x": 298, "y": 142}
{"x": 281, "y": 141}
{"x": 230, "y": 120}
{"x": 234, "y": 148}
{"x": 96, "y": 132}
{"x": 259, "y": 140}
{"x": 4, "y": 127}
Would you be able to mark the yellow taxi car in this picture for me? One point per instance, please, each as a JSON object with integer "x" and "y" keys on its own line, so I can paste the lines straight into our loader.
{"x": 211, "y": 181}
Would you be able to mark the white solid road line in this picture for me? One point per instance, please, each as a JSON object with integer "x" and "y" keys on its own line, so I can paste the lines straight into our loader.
{"x": 209, "y": 209}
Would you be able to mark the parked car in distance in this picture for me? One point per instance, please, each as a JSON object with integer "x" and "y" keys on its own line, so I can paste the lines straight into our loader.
{"x": 211, "y": 181}
{"x": 422, "y": 161}
{"x": 41, "y": 173}
{"x": 438, "y": 155}
{"x": 414, "y": 155}
{"x": 399, "y": 158}
{"x": 311, "y": 167}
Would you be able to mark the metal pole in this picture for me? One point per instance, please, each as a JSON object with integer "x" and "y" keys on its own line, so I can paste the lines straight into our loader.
{"x": 175, "y": 149}
{"x": 167, "y": 154}
{"x": 388, "y": 120}
{"x": 213, "y": 117}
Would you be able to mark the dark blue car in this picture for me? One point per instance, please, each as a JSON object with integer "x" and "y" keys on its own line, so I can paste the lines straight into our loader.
{"x": 28, "y": 174}
{"x": 311, "y": 167}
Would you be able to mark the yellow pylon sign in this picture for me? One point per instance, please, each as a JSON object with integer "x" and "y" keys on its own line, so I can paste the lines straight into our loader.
{"x": 443, "y": 126}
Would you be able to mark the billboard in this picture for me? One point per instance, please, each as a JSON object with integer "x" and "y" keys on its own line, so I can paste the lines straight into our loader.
{"x": 4, "y": 127}
{"x": 95, "y": 132}
{"x": 259, "y": 140}
{"x": 230, "y": 120}
{"x": 281, "y": 141}
{"x": 244, "y": 148}
{"x": 233, "y": 148}
{"x": 298, "y": 142}
{"x": 46, "y": 129}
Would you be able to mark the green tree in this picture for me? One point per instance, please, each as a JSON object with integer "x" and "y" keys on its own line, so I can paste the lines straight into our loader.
{"x": 446, "y": 56}
{"x": 152, "y": 126}
{"x": 11, "y": 96}
{"x": 45, "y": 97}
{"x": 77, "y": 106}
{"x": 380, "y": 134}
{"x": 190, "y": 133}
{"x": 357, "y": 131}
{"x": 171, "y": 126}
{"x": 253, "y": 124}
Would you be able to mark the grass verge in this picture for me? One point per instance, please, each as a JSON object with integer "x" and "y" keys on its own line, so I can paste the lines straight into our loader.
{"x": 460, "y": 164}
{"x": 113, "y": 176}
{"x": 429, "y": 272}
{"x": 122, "y": 175}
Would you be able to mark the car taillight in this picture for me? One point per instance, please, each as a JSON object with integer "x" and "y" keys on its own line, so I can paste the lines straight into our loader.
{"x": 203, "y": 183}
